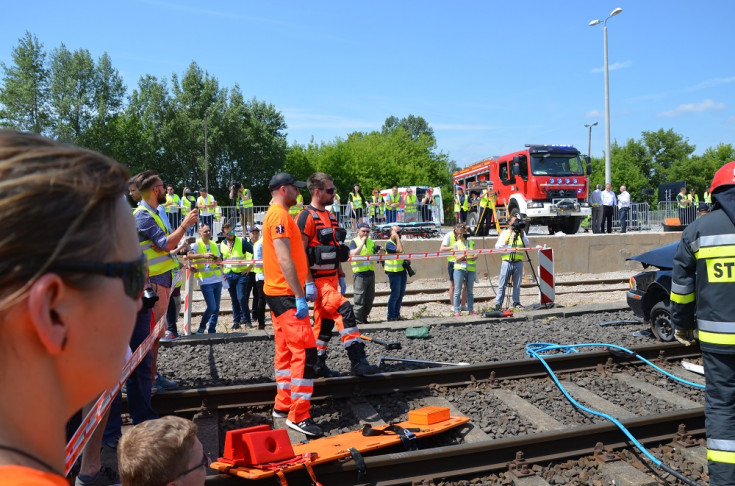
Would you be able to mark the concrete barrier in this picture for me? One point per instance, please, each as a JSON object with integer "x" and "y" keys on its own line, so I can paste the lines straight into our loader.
{"x": 580, "y": 253}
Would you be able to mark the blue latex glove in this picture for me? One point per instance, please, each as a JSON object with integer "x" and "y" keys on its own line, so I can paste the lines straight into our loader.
{"x": 310, "y": 291}
{"x": 342, "y": 285}
{"x": 302, "y": 308}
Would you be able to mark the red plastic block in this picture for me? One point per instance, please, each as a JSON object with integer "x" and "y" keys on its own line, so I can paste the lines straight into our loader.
{"x": 256, "y": 445}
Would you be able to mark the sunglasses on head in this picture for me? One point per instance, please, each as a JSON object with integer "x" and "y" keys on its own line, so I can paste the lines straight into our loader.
{"x": 133, "y": 274}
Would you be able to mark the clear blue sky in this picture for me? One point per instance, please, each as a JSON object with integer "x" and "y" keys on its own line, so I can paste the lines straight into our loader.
{"x": 488, "y": 76}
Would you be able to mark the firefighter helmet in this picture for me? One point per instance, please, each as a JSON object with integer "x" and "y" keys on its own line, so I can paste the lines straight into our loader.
{"x": 723, "y": 177}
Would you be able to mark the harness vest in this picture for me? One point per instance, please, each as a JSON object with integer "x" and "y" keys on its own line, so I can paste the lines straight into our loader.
{"x": 469, "y": 265}
{"x": 410, "y": 204}
{"x": 323, "y": 251}
{"x": 200, "y": 269}
{"x": 236, "y": 254}
{"x": 367, "y": 249}
{"x": 172, "y": 198}
{"x": 159, "y": 261}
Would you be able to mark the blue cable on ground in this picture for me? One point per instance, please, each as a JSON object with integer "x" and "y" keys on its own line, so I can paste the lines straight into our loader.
{"x": 534, "y": 350}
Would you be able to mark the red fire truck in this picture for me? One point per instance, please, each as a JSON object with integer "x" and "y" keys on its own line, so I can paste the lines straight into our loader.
{"x": 546, "y": 184}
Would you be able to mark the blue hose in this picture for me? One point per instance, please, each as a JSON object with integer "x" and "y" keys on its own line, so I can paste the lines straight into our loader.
{"x": 534, "y": 350}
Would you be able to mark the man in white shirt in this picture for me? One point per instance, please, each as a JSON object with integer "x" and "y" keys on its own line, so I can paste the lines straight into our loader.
{"x": 623, "y": 208}
{"x": 608, "y": 203}
{"x": 596, "y": 203}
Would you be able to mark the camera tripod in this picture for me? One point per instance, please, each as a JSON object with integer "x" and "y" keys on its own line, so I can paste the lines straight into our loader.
{"x": 509, "y": 270}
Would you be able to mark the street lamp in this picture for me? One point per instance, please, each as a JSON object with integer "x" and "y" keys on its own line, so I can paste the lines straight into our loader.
{"x": 589, "y": 140}
{"x": 608, "y": 178}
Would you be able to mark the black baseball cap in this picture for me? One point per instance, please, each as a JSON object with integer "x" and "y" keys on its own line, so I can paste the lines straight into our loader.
{"x": 284, "y": 179}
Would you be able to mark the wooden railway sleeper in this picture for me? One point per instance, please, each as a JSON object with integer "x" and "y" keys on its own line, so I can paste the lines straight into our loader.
{"x": 603, "y": 454}
{"x": 518, "y": 467}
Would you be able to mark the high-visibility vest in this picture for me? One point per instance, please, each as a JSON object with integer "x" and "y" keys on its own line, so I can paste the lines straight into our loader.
{"x": 375, "y": 208}
{"x": 159, "y": 261}
{"x": 707, "y": 198}
{"x": 452, "y": 241}
{"x": 296, "y": 208}
{"x": 459, "y": 204}
{"x": 201, "y": 202}
{"x": 683, "y": 200}
{"x": 356, "y": 201}
{"x": 237, "y": 253}
{"x": 186, "y": 204}
{"x": 172, "y": 198}
{"x": 367, "y": 249}
{"x": 410, "y": 203}
{"x": 470, "y": 264}
{"x": 515, "y": 243}
{"x": 393, "y": 199}
{"x": 244, "y": 203}
{"x": 258, "y": 267}
{"x": 200, "y": 269}
{"x": 394, "y": 265}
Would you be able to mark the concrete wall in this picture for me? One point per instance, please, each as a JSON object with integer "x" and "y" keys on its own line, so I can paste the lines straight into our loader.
{"x": 580, "y": 253}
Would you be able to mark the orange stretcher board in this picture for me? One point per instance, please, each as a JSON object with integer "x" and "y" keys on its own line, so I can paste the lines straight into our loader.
{"x": 333, "y": 448}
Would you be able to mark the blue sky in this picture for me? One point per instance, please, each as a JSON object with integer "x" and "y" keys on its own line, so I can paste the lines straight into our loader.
{"x": 488, "y": 76}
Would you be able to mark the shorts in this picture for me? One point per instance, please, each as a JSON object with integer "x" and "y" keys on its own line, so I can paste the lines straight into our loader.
{"x": 357, "y": 212}
{"x": 450, "y": 268}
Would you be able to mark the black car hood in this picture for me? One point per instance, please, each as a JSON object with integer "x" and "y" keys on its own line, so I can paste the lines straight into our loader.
{"x": 662, "y": 257}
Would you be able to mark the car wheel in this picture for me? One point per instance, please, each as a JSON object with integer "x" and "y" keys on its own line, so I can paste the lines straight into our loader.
{"x": 661, "y": 322}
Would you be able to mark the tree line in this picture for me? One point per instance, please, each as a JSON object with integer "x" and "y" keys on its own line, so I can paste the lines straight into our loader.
{"x": 161, "y": 124}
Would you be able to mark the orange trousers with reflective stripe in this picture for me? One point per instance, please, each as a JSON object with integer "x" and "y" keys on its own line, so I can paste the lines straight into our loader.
{"x": 328, "y": 301}
{"x": 294, "y": 361}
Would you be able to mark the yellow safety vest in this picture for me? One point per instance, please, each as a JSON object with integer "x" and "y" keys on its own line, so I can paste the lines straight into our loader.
{"x": 367, "y": 249}
{"x": 296, "y": 208}
{"x": 356, "y": 201}
{"x": 394, "y": 265}
{"x": 464, "y": 206}
{"x": 186, "y": 204}
{"x": 452, "y": 241}
{"x": 172, "y": 199}
{"x": 201, "y": 271}
{"x": 515, "y": 243}
{"x": 244, "y": 203}
{"x": 237, "y": 254}
{"x": 159, "y": 261}
{"x": 376, "y": 204}
{"x": 258, "y": 267}
{"x": 707, "y": 197}
{"x": 410, "y": 204}
{"x": 470, "y": 264}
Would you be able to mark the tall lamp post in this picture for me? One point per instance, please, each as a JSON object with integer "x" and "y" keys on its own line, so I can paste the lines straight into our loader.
{"x": 589, "y": 140}
{"x": 206, "y": 160}
{"x": 608, "y": 178}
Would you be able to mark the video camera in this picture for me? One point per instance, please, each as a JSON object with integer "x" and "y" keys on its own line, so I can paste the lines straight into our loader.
{"x": 518, "y": 225}
{"x": 192, "y": 193}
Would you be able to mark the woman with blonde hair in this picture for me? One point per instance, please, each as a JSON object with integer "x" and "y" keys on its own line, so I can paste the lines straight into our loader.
{"x": 71, "y": 278}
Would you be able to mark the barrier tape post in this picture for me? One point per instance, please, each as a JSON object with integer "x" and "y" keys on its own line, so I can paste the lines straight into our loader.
{"x": 547, "y": 291}
{"x": 90, "y": 423}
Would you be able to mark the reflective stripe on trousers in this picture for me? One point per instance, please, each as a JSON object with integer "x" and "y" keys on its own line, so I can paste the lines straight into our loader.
{"x": 328, "y": 303}
{"x": 719, "y": 411}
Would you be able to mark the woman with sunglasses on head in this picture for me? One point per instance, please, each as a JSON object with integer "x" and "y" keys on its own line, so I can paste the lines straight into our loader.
{"x": 67, "y": 301}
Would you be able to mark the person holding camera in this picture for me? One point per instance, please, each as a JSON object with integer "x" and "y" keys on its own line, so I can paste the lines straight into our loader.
{"x": 396, "y": 270}
{"x": 464, "y": 274}
{"x": 323, "y": 242}
{"x": 513, "y": 237}
{"x": 363, "y": 273}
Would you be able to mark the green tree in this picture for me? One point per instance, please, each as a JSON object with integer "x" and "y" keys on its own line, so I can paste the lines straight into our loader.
{"x": 415, "y": 126}
{"x": 72, "y": 93}
{"x": 25, "y": 89}
{"x": 698, "y": 171}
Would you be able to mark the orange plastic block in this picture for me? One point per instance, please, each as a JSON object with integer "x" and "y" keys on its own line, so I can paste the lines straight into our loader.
{"x": 428, "y": 415}
{"x": 256, "y": 445}
{"x": 672, "y": 222}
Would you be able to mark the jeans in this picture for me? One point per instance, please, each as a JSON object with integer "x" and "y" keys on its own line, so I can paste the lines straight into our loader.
{"x": 206, "y": 221}
{"x": 238, "y": 293}
{"x": 390, "y": 215}
{"x": 507, "y": 269}
{"x": 462, "y": 276}
{"x": 397, "y": 281}
{"x": 139, "y": 384}
{"x": 623, "y": 216}
{"x": 212, "y": 294}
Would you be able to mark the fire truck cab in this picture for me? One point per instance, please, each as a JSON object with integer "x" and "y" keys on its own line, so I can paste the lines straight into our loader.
{"x": 546, "y": 184}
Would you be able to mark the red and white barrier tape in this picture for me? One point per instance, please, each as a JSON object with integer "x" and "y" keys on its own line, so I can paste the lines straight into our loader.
{"x": 102, "y": 405}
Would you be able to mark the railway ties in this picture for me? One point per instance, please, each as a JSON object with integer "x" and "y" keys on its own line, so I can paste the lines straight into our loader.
{"x": 550, "y": 437}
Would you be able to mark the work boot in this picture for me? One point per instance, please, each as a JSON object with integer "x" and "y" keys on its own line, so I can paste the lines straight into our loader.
{"x": 321, "y": 370}
{"x": 360, "y": 365}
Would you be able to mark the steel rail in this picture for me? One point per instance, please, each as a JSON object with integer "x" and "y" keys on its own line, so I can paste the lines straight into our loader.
{"x": 178, "y": 401}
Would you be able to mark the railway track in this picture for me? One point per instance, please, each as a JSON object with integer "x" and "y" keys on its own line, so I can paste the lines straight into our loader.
{"x": 476, "y": 455}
